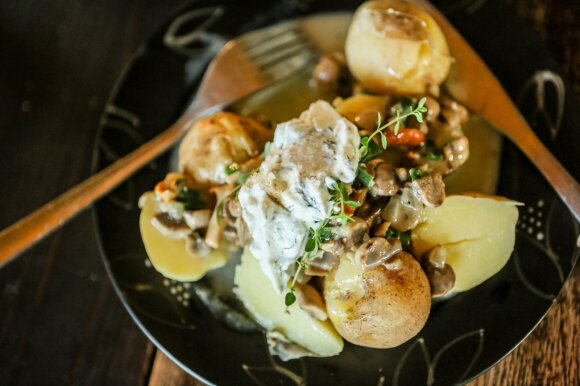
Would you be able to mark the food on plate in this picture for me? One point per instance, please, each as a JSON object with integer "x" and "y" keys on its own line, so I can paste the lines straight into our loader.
{"x": 472, "y": 234}
{"x": 216, "y": 142}
{"x": 394, "y": 46}
{"x": 378, "y": 307}
{"x": 345, "y": 225}
{"x": 310, "y": 335}
{"x": 174, "y": 257}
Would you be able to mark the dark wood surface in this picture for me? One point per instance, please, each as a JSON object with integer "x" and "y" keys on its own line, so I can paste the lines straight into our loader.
{"x": 60, "y": 320}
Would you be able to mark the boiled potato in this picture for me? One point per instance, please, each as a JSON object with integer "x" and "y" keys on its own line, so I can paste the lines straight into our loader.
{"x": 267, "y": 306}
{"x": 362, "y": 109}
{"x": 478, "y": 234}
{"x": 381, "y": 307}
{"x": 170, "y": 256}
{"x": 394, "y": 46}
{"x": 216, "y": 142}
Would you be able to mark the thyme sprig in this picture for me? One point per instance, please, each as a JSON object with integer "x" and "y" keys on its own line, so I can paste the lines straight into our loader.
{"x": 340, "y": 200}
{"x": 400, "y": 117}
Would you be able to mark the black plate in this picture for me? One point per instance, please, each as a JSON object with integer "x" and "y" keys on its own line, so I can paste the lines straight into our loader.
{"x": 466, "y": 334}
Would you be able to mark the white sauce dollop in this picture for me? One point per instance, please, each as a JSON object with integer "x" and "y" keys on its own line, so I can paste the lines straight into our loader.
{"x": 289, "y": 194}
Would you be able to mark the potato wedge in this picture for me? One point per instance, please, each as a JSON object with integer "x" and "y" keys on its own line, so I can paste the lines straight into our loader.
{"x": 267, "y": 306}
{"x": 170, "y": 256}
{"x": 477, "y": 232}
{"x": 381, "y": 307}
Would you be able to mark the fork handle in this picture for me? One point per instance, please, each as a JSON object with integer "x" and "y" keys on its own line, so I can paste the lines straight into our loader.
{"x": 40, "y": 223}
{"x": 561, "y": 180}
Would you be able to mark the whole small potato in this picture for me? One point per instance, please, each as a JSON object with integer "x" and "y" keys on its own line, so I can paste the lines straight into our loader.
{"x": 394, "y": 46}
{"x": 381, "y": 307}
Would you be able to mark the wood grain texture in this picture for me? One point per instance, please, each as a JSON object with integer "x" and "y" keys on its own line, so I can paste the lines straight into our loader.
{"x": 60, "y": 321}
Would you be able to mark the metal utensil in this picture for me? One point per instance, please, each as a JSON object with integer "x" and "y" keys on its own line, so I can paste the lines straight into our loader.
{"x": 244, "y": 66}
{"x": 473, "y": 84}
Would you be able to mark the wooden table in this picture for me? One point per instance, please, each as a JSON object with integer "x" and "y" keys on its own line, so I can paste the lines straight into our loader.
{"x": 60, "y": 320}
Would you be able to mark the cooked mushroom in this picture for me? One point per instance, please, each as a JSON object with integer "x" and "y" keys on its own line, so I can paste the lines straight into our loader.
{"x": 456, "y": 152}
{"x": 282, "y": 347}
{"x": 327, "y": 73}
{"x": 433, "y": 109}
{"x": 403, "y": 211}
{"x": 322, "y": 263}
{"x": 168, "y": 226}
{"x": 197, "y": 219}
{"x": 196, "y": 245}
{"x": 352, "y": 234}
{"x": 430, "y": 190}
{"x": 381, "y": 230}
{"x": 454, "y": 113}
{"x": 376, "y": 251}
{"x": 385, "y": 181}
{"x": 310, "y": 300}
{"x": 369, "y": 212}
{"x": 441, "y": 276}
{"x": 215, "y": 227}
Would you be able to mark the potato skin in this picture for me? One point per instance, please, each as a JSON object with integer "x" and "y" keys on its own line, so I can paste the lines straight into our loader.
{"x": 381, "y": 307}
{"x": 393, "y": 46}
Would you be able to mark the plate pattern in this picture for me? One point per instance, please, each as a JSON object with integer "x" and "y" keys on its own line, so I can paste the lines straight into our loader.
{"x": 465, "y": 335}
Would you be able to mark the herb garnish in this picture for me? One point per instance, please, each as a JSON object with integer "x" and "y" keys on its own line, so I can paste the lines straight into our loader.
{"x": 190, "y": 198}
{"x": 342, "y": 213}
{"x": 404, "y": 238}
{"x": 401, "y": 114}
{"x": 417, "y": 173}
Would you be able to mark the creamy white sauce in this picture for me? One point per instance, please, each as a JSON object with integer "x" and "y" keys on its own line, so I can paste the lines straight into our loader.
{"x": 289, "y": 194}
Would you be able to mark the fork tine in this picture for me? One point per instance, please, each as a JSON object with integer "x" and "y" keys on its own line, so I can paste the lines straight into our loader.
{"x": 284, "y": 38}
{"x": 289, "y": 65}
{"x": 282, "y": 53}
{"x": 255, "y": 38}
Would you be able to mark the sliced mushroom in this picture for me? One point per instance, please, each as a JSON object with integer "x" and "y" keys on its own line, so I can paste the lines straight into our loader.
{"x": 403, "y": 211}
{"x": 385, "y": 181}
{"x": 197, "y": 219}
{"x": 170, "y": 227}
{"x": 215, "y": 227}
{"x": 430, "y": 190}
{"x": 456, "y": 152}
{"x": 322, "y": 263}
{"x": 310, "y": 300}
{"x": 352, "y": 234}
{"x": 381, "y": 230}
{"x": 327, "y": 73}
{"x": 441, "y": 276}
{"x": 283, "y": 348}
{"x": 369, "y": 212}
{"x": 196, "y": 245}
{"x": 377, "y": 251}
{"x": 433, "y": 109}
{"x": 454, "y": 113}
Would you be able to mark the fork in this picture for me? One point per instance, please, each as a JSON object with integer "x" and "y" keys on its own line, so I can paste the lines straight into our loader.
{"x": 244, "y": 66}
{"x": 473, "y": 84}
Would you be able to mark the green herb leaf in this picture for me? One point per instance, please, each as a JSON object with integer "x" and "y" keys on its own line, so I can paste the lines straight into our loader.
{"x": 416, "y": 174}
{"x": 290, "y": 298}
{"x": 311, "y": 245}
{"x": 232, "y": 168}
{"x": 364, "y": 176}
{"x": 383, "y": 140}
{"x": 352, "y": 204}
{"x": 266, "y": 151}
{"x": 190, "y": 198}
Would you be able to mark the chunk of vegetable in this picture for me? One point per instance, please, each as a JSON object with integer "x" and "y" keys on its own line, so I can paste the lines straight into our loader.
{"x": 394, "y": 46}
{"x": 477, "y": 233}
{"x": 170, "y": 256}
{"x": 379, "y": 307}
{"x": 267, "y": 306}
